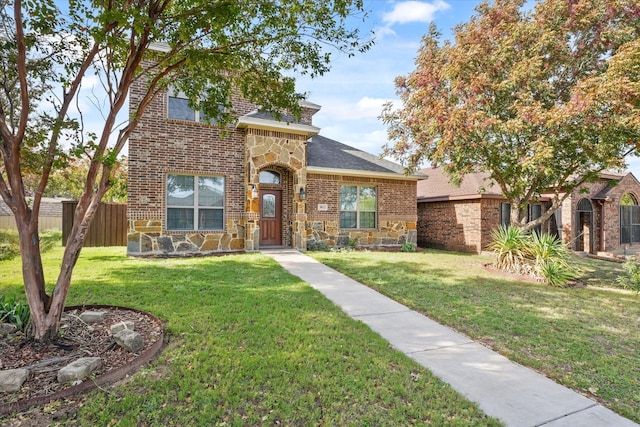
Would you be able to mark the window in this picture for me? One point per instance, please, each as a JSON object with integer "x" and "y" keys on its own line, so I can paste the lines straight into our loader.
{"x": 358, "y": 206}
{"x": 179, "y": 109}
{"x": 195, "y": 202}
{"x": 629, "y": 220}
{"x": 505, "y": 214}
{"x": 534, "y": 212}
{"x": 269, "y": 177}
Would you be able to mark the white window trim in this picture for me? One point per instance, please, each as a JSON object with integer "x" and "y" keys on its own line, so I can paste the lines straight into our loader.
{"x": 358, "y": 211}
{"x": 195, "y": 205}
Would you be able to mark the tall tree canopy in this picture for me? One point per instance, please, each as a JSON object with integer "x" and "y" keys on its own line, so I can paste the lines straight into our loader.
{"x": 208, "y": 48}
{"x": 543, "y": 99}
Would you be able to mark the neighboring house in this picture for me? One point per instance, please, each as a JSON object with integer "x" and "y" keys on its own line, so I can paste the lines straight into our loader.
{"x": 50, "y": 215}
{"x": 265, "y": 183}
{"x": 599, "y": 217}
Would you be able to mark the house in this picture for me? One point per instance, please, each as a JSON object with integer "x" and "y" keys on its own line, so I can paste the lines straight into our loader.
{"x": 598, "y": 217}
{"x": 50, "y": 217}
{"x": 195, "y": 189}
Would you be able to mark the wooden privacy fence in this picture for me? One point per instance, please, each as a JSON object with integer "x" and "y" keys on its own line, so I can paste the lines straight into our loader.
{"x": 109, "y": 226}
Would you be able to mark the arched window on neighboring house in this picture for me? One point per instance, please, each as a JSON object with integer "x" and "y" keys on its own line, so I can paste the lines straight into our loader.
{"x": 629, "y": 219}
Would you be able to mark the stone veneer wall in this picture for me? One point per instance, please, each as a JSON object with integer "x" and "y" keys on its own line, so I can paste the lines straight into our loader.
{"x": 160, "y": 146}
{"x": 285, "y": 153}
{"x": 397, "y": 215}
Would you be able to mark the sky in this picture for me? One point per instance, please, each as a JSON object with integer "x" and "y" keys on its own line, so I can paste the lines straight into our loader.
{"x": 352, "y": 93}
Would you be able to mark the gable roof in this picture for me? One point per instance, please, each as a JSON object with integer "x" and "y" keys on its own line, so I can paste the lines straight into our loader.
{"x": 260, "y": 119}
{"x": 437, "y": 186}
{"x": 479, "y": 185}
{"x": 49, "y": 206}
{"x": 325, "y": 155}
{"x": 328, "y": 156}
{"x": 604, "y": 192}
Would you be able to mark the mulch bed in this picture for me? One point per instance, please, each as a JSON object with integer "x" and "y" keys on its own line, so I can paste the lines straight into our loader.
{"x": 78, "y": 339}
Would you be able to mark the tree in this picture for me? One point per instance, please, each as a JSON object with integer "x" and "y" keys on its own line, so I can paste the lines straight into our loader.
{"x": 542, "y": 99}
{"x": 68, "y": 182}
{"x": 210, "y": 50}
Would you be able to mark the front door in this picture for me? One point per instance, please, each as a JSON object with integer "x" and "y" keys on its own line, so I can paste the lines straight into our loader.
{"x": 270, "y": 217}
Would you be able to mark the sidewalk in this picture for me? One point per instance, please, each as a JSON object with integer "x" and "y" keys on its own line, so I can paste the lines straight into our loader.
{"x": 510, "y": 392}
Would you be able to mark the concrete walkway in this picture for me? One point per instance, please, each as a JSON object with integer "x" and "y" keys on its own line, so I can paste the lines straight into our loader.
{"x": 510, "y": 392}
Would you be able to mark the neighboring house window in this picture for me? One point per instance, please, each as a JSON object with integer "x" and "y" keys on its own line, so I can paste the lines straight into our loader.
{"x": 533, "y": 212}
{"x": 179, "y": 109}
{"x": 358, "y": 205}
{"x": 629, "y": 220}
{"x": 195, "y": 202}
{"x": 505, "y": 214}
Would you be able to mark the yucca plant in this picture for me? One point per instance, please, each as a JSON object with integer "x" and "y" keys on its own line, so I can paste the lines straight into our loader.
{"x": 555, "y": 273}
{"x": 14, "y": 312}
{"x": 507, "y": 245}
{"x": 545, "y": 247}
{"x": 550, "y": 257}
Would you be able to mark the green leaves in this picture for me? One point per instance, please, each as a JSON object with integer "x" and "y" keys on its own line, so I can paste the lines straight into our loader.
{"x": 540, "y": 255}
{"x": 14, "y": 311}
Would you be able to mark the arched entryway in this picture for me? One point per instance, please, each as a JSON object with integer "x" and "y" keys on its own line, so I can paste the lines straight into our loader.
{"x": 584, "y": 226}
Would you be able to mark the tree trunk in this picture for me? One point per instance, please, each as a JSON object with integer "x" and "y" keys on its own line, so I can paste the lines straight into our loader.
{"x": 33, "y": 277}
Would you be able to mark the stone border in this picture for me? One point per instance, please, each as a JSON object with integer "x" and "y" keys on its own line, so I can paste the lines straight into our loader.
{"x": 107, "y": 378}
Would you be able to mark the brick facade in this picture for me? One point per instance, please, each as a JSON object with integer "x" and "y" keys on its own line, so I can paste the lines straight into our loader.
{"x": 458, "y": 225}
{"x": 397, "y": 212}
{"x": 465, "y": 224}
{"x": 161, "y": 146}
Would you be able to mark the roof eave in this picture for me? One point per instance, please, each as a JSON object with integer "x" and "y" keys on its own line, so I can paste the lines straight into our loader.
{"x": 362, "y": 173}
{"x": 245, "y": 122}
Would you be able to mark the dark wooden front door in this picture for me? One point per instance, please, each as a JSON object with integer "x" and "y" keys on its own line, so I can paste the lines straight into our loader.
{"x": 271, "y": 217}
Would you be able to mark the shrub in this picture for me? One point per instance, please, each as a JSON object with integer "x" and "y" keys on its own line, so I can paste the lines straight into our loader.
{"x": 507, "y": 246}
{"x": 540, "y": 255}
{"x": 10, "y": 247}
{"x": 14, "y": 312}
{"x": 631, "y": 280}
{"x": 550, "y": 258}
{"x": 408, "y": 247}
{"x": 317, "y": 246}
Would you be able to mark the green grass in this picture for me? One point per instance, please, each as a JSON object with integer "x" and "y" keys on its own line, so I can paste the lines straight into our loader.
{"x": 249, "y": 344}
{"x": 584, "y": 338}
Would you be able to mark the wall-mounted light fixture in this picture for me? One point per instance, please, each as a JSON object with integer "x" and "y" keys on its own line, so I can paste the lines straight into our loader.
{"x": 254, "y": 191}
{"x": 303, "y": 194}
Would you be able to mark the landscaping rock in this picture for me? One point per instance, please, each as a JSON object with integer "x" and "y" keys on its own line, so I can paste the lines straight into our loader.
{"x": 7, "y": 329}
{"x": 129, "y": 340}
{"x": 11, "y": 380}
{"x": 92, "y": 316}
{"x": 121, "y": 326}
{"x": 78, "y": 370}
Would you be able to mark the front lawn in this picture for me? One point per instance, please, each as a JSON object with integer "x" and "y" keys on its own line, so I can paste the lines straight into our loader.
{"x": 249, "y": 344}
{"x": 584, "y": 338}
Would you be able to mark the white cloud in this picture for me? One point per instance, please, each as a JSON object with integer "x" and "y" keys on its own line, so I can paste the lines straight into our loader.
{"x": 413, "y": 11}
{"x": 365, "y": 108}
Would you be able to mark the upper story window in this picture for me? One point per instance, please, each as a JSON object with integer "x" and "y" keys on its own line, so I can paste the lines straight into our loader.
{"x": 195, "y": 202}
{"x": 178, "y": 108}
{"x": 358, "y": 206}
